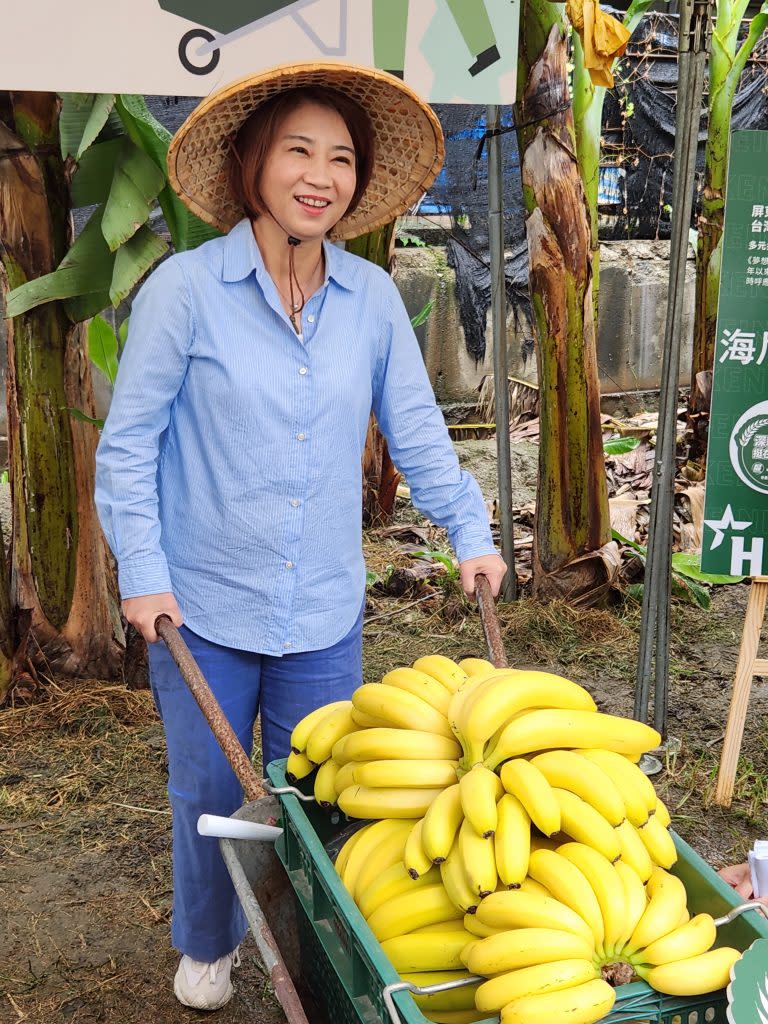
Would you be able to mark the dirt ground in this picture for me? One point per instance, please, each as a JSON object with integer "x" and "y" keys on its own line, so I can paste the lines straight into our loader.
{"x": 85, "y": 890}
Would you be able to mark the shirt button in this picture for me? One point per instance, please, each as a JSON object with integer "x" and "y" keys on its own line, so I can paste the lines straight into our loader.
{"x": 289, "y": 565}
{"x": 301, "y": 437}
{"x": 310, "y": 319}
{"x": 287, "y": 644}
{"x": 295, "y": 503}
{"x": 302, "y": 370}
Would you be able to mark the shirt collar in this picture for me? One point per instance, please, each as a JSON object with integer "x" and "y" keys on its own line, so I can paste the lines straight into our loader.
{"x": 242, "y": 257}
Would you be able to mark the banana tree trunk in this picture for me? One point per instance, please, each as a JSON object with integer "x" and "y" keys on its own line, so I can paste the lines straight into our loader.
{"x": 380, "y": 477}
{"x": 572, "y": 506}
{"x": 63, "y": 597}
{"x": 588, "y": 103}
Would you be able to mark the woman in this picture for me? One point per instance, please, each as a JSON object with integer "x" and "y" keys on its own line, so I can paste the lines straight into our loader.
{"x": 229, "y": 468}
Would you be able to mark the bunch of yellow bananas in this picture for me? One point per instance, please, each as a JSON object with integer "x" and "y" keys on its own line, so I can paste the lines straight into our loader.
{"x": 516, "y": 838}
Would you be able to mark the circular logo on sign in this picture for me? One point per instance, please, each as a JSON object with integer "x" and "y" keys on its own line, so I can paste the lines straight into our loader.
{"x": 748, "y": 448}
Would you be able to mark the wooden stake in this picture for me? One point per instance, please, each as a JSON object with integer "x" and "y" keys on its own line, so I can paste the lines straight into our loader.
{"x": 748, "y": 666}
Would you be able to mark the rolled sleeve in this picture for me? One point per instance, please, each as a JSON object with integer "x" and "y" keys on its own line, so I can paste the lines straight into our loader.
{"x": 151, "y": 373}
{"x": 418, "y": 440}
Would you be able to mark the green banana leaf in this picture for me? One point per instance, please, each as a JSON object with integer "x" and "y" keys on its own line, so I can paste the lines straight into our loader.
{"x": 132, "y": 260}
{"x": 82, "y": 118}
{"x": 135, "y": 184}
{"x": 102, "y": 347}
{"x": 621, "y": 445}
{"x": 92, "y": 180}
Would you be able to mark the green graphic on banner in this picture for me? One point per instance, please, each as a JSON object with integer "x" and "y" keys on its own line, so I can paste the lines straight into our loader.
{"x": 736, "y": 502}
{"x": 748, "y": 991}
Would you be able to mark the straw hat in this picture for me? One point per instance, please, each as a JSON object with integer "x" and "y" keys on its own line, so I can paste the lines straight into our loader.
{"x": 409, "y": 143}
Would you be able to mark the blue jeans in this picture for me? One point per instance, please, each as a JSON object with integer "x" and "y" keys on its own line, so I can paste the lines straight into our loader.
{"x": 208, "y": 920}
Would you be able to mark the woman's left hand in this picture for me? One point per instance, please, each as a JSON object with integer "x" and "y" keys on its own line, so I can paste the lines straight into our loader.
{"x": 493, "y": 566}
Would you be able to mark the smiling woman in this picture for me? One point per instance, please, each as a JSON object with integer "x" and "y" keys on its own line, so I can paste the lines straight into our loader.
{"x": 229, "y": 479}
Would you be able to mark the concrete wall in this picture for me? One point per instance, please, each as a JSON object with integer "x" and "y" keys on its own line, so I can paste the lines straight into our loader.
{"x": 633, "y": 297}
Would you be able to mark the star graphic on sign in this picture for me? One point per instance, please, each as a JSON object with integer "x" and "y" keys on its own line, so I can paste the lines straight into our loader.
{"x": 721, "y": 525}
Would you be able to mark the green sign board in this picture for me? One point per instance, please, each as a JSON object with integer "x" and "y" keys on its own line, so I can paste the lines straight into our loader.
{"x": 736, "y": 503}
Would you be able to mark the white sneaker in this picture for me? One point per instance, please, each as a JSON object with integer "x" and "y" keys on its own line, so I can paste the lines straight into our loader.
{"x": 205, "y": 986}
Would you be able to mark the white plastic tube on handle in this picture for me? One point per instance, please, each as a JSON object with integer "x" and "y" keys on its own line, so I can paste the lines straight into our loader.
{"x": 234, "y": 828}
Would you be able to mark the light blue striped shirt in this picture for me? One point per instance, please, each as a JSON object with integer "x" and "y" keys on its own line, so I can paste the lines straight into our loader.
{"x": 229, "y": 467}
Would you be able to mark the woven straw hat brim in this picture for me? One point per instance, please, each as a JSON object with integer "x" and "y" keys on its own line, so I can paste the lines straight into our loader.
{"x": 409, "y": 143}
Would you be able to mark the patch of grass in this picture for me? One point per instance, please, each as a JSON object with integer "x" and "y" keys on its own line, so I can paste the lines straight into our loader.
{"x": 559, "y": 633}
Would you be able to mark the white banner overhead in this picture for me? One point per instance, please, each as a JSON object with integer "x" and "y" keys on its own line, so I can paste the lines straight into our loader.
{"x": 460, "y": 51}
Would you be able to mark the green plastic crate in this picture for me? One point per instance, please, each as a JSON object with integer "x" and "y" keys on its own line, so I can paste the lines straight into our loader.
{"x": 347, "y": 971}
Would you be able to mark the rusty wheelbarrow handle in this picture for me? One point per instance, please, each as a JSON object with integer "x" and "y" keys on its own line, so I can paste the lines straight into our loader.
{"x": 225, "y": 735}
{"x": 490, "y": 621}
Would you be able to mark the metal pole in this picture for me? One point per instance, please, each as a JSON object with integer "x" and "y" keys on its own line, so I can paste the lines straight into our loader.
{"x": 654, "y": 631}
{"x": 500, "y": 366}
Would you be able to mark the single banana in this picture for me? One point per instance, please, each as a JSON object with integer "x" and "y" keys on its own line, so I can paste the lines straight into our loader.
{"x": 443, "y": 670}
{"x": 514, "y": 908}
{"x": 635, "y": 901}
{"x": 690, "y": 939}
{"x": 303, "y": 729}
{"x": 366, "y": 802}
{"x": 420, "y": 685}
{"x": 582, "y": 1004}
{"x": 547, "y": 728}
{"x": 394, "y": 744}
{"x": 456, "y": 883}
{"x": 411, "y": 910}
{"x": 567, "y": 769}
{"x": 453, "y": 999}
{"x": 658, "y": 842}
{"x": 387, "y": 852}
{"x": 506, "y": 696}
{"x": 607, "y": 886}
{"x": 343, "y": 855}
{"x": 369, "y": 721}
{"x": 390, "y": 883}
{"x": 494, "y": 994}
{"x": 415, "y": 860}
{"x": 427, "y": 951}
{"x": 400, "y": 708}
{"x": 525, "y": 947}
{"x": 463, "y": 702}
{"x": 529, "y": 884}
{"x": 527, "y": 782}
{"x": 480, "y": 791}
{"x": 584, "y": 824}
{"x": 634, "y": 785}
{"x": 441, "y": 823}
{"x": 707, "y": 972}
{"x": 344, "y": 778}
{"x": 325, "y": 783}
{"x": 328, "y": 731}
{"x": 633, "y": 851}
{"x": 473, "y": 924}
{"x": 662, "y": 813}
{"x": 368, "y": 839}
{"x": 479, "y": 860}
{"x": 298, "y": 766}
{"x": 476, "y": 666}
{"x": 570, "y": 886}
{"x": 512, "y": 840}
{"x": 408, "y": 774}
{"x": 665, "y": 905}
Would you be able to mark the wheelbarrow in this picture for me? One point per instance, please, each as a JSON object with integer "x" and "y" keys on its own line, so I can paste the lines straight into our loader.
{"x": 260, "y": 880}
{"x": 230, "y": 20}
{"x": 276, "y": 891}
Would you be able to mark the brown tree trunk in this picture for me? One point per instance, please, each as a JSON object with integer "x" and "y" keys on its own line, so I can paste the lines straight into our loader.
{"x": 63, "y": 594}
{"x": 380, "y": 476}
{"x": 572, "y": 521}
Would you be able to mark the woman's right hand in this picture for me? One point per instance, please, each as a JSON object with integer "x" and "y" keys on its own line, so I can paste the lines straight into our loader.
{"x": 142, "y": 612}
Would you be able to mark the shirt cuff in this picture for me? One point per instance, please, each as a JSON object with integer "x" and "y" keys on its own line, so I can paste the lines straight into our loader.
{"x": 472, "y": 543}
{"x": 144, "y": 574}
